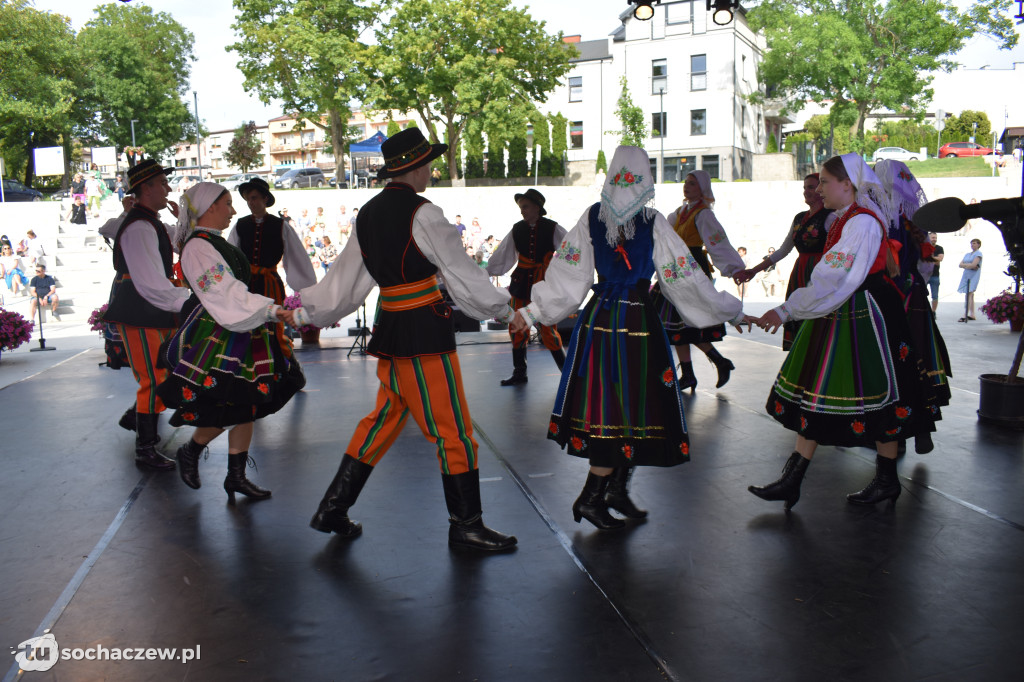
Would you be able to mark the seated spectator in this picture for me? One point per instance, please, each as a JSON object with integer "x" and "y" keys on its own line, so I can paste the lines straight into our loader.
{"x": 34, "y": 250}
{"x": 77, "y": 214}
{"x": 328, "y": 254}
{"x": 45, "y": 292}
{"x": 12, "y": 270}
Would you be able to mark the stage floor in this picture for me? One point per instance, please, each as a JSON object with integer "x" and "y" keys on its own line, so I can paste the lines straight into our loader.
{"x": 715, "y": 585}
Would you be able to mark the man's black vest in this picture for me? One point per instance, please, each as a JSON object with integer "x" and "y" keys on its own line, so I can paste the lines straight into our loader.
{"x": 127, "y": 306}
{"x": 384, "y": 231}
{"x": 533, "y": 244}
{"x": 263, "y": 247}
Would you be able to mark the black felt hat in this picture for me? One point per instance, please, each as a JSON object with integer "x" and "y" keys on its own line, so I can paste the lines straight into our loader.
{"x": 534, "y": 196}
{"x": 142, "y": 171}
{"x": 257, "y": 184}
{"x": 406, "y": 151}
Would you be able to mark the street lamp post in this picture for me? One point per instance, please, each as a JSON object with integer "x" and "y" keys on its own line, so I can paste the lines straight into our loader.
{"x": 134, "y": 121}
{"x": 661, "y": 122}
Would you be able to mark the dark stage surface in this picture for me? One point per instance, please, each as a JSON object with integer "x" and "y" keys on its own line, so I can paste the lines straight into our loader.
{"x": 715, "y": 585}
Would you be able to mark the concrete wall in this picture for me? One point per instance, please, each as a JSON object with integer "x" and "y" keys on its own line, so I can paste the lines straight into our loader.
{"x": 767, "y": 167}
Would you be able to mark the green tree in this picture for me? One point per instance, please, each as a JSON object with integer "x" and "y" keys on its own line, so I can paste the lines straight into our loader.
{"x": 518, "y": 165}
{"x": 602, "y": 162}
{"x": 961, "y": 128}
{"x": 308, "y": 54}
{"x": 773, "y": 144}
{"x": 393, "y": 128}
{"x": 461, "y": 59}
{"x": 495, "y": 156}
{"x": 474, "y": 139}
{"x": 541, "y": 128}
{"x": 634, "y": 128}
{"x": 559, "y": 145}
{"x": 139, "y": 64}
{"x": 245, "y": 147}
{"x": 869, "y": 54}
{"x": 40, "y": 75}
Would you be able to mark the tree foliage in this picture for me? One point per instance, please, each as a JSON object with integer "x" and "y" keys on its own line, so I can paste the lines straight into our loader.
{"x": 602, "y": 162}
{"x": 961, "y": 128}
{"x": 39, "y": 79}
{"x": 393, "y": 128}
{"x": 559, "y": 144}
{"x": 245, "y": 147}
{"x": 453, "y": 60}
{"x": 868, "y": 54}
{"x": 308, "y": 54}
{"x": 139, "y": 64}
{"x": 634, "y": 127}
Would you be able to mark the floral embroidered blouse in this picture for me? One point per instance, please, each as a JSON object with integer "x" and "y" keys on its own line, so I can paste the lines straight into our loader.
{"x": 839, "y": 273}
{"x": 571, "y": 275}
{"x": 227, "y": 299}
{"x": 723, "y": 255}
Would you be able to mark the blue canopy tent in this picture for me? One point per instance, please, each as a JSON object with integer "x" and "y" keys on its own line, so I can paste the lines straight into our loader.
{"x": 366, "y": 150}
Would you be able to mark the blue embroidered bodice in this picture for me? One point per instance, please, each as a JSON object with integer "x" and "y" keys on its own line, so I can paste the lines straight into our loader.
{"x": 611, "y": 266}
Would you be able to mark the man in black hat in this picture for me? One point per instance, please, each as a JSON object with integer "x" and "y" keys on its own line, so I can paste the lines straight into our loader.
{"x": 529, "y": 246}
{"x": 144, "y": 303}
{"x": 265, "y": 241}
{"x": 403, "y": 243}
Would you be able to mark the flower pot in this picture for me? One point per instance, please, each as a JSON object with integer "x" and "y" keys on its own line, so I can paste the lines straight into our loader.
{"x": 1017, "y": 325}
{"x": 311, "y": 338}
{"x": 1002, "y": 401}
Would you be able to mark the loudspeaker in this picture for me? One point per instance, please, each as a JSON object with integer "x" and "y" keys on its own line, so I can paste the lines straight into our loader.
{"x": 463, "y": 322}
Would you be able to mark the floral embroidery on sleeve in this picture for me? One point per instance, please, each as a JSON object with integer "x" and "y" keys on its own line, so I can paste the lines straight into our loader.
{"x": 716, "y": 238}
{"x": 569, "y": 253}
{"x": 681, "y": 268}
{"x": 838, "y": 259}
{"x": 211, "y": 277}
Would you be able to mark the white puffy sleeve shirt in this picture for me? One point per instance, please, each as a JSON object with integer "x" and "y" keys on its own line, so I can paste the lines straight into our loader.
{"x": 723, "y": 255}
{"x": 839, "y": 273}
{"x": 568, "y": 280}
{"x": 298, "y": 269}
{"x": 347, "y": 283}
{"x": 226, "y": 298}
{"x": 141, "y": 251}
{"x": 505, "y": 256}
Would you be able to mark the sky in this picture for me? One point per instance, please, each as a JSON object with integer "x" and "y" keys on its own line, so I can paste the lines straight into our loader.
{"x": 224, "y": 104}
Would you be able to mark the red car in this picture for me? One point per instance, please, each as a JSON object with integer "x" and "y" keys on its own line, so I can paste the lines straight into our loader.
{"x": 955, "y": 149}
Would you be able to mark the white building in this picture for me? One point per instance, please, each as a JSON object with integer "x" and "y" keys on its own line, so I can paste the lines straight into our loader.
{"x": 690, "y": 77}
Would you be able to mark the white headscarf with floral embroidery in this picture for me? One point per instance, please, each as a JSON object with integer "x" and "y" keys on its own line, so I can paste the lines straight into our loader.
{"x": 195, "y": 201}
{"x": 628, "y": 189}
{"x": 870, "y": 193}
{"x": 704, "y": 181}
{"x": 903, "y": 191}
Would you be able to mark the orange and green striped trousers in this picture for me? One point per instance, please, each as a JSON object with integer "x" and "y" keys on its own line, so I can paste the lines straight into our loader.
{"x": 142, "y": 345}
{"x": 430, "y": 389}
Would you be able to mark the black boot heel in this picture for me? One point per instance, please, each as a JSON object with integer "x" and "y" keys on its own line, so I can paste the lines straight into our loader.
{"x": 787, "y": 488}
{"x": 236, "y": 482}
{"x": 188, "y": 462}
{"x": 884, "y": 486}
{"x": 332, "y": 514}
{"x": 687, "y": 379}
{"x": 591, "y": 505}
{"x": 617, "y": 496}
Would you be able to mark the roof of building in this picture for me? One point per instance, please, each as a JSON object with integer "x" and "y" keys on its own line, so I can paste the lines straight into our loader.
{"x": 591, "y": 49}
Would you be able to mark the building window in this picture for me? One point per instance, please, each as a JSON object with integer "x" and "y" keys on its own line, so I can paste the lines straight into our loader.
{"x": 659, "y": 124}
{"x": 659, "y": 76}
{"x": 709, "y": 164}
{"x": 576, "y": 135}
{"x": 679, "y": 13}
{"x": 698, "y": 72}
{"x": 698, "y": 122}
{"x": 576, "y": 88}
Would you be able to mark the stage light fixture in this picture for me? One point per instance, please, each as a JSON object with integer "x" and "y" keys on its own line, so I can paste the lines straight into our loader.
{"x": 722, "y": 10}
{"x": 644, "y": 10}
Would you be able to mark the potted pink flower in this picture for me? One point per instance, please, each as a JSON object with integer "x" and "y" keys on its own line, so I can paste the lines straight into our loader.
{"x": 14, "y": 329}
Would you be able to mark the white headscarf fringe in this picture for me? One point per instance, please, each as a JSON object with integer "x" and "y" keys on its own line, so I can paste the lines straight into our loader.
{"x": 628, "y": 191}
{"x": 193, "y": 204}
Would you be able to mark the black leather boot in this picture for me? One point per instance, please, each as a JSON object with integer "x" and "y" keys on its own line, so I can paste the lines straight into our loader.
{"x": 723, "y": 365}
{"x": 884, "y": 486}
{"x": 591, "y": 504}
{"x": 687, "y": 379}
{"x": 332, "y": 514}
{"x": 146, "y": 439}
{"x": 188, "y": 462}
{"x": 788, "y": 486}
{"x": 518, "y": 368}
{"x": 923, "y": 443}
{"x": 559, "y": 356}
{"x": 236, "y": 482}
{"x": 467, "y": 529}
{"x": 617, "y": 496}
{"x": 127, "y": 420}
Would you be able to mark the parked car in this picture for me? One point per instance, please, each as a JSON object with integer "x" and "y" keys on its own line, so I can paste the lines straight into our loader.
{"x": 15, "y": 191}
{"x": 955, "y": 149}
{"x": 175, "y": 180}
{"x": 301, "y": 177}
{"x": 894, "y": 154}
{"x": 237, "y": 179}
{"x": 333, "y": 180}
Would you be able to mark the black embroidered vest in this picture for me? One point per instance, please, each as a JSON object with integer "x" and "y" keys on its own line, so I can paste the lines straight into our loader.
{"x": 127, "y": 306}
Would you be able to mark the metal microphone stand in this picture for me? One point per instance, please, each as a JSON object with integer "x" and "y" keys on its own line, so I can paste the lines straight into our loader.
{"x": 42, "y": 340}
{"x": 362, "y": 333}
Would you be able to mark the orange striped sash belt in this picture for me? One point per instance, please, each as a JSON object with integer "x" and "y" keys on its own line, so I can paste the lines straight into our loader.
{"x": 528, "y": 264}
{"x": 410, "y": 295}
{"x": 260, "y": 270}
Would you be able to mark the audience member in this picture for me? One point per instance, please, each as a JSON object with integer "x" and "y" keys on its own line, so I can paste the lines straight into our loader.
{"x": 12, "y": 270}
{"x": 45, "y": 292}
